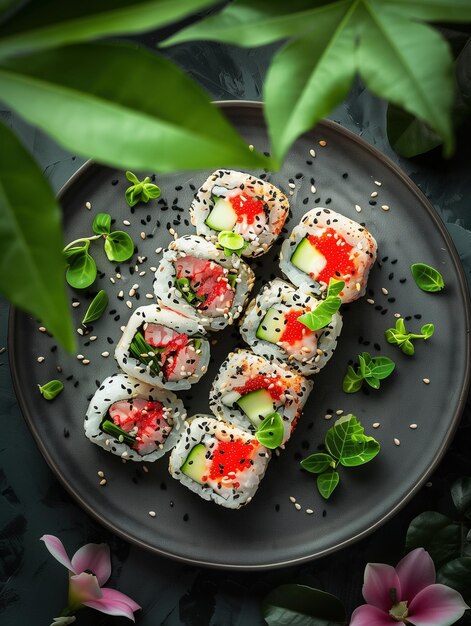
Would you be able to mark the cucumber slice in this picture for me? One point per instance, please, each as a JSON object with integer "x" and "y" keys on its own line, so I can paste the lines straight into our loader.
{"x": 271, "y": 327}
{"x": 195, "y": 465}
{"x": 222, "y": 216}
{"x": 308, "y": 259}
{"x": 256, "y": 405}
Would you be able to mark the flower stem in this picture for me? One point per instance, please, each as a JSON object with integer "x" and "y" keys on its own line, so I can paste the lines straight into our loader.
{"x": 72, "y": 243}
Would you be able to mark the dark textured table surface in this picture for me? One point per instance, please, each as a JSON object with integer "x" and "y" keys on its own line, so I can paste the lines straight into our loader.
{"x": 33, "y": 587}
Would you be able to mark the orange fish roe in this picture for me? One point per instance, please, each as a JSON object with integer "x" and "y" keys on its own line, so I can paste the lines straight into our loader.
{"x": 231, "y": 457}
{"x": 294, "y": 331}
{"x": 246, "y": 207}
{"x": 336, "y": 252}
{"x": 273, "y": 385}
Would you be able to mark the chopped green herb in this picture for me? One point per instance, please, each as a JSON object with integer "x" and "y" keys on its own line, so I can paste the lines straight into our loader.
{"x": 97, "y": 308}
{"x": 110, "y": 428}
{"x": 231, "y": 279}
{"x": 51, "y": 389}
{"x": 270, "y": 432}
{"x": 145, "y": 353}
{"x": 140, "y": 191}
{"x": 400, "y": 337}
{"x": 427, "y": 277}
{"x": 184, "y": 286}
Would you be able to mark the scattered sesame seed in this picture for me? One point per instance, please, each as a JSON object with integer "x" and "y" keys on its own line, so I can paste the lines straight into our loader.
{"x": 80, "y": 357}
{"x": 357, "y": 208}
{"x": 88, "y": 205}
{"x": 328, "y": 416}
{"x": 384, "y": 290}
{"x": 397, "y": 442}
{"x": 376, "y": 425}
{"x": 126, "y": 222}
{"x": 112, "y": 280}
{"x": 426, "y": 381}
{"x": 75, "y": 304}
{"x": 292, "y": 499}
{"x": 413, "y": 426}
{"x": 142, "y": 273}
{"x": 129, "y": 304}
{"x": 297, "y": 506}
{"x": 42, "y": 329}
{"x": 153, "y": 269}
{"x": 92, "y": 338}
{"x": 309, "y": 511}
{"x": 132, "y": 292}
{"x": 323, "y": 143}
{"x": 103, "y": 482}
{"x": 80, "y": 331}
{"x": 339, "y": 412}
{"x": 152, "y": 513}
{"x": 105, "y": 354}
{"x": 40, "y": 359}
{"x": 370, "y": 301}
{"x": 145, "y": 469}
{"x": 101, "y": 473}
{"x": 158, "y": 251}
{"x": 86, "y": 361}
{"x": 149, "y": 296}
{"x": 397, "y": 315}
{"x": 171, "y": 231}
{"x": 377, "y": 183}
{"x": 385, "y": 207}
{"x": 292, "y": 185}
{"x": 143, "y": 235}
{"x": 312, "y": 152}
{"x": 313, "y": 189}
{"x": 374, "y": 194}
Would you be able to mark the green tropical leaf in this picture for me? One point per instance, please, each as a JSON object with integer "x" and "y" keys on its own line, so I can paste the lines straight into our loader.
{"x": 259, "y": 22}
{"x": 299, "y": 605}
{"x": 31, "y": 262}
{"x": 430, "y": 10}
{"x": 409, "y": 136}
{"x": 50, "y": 23}
{"x": 327, "y": 482}
{"x": 421, "y": 80}
{"x": 461, "y": 494}
{"x": 437, "y": 533}
{"x": 457, "y": 575}
{"x": 105, "y": 114}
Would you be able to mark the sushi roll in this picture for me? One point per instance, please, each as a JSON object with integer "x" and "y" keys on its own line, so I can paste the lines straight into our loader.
{"x": 328, "y": 245}
{"x": 250, "y": 388}
{"x": 240, "y": 203}
{"x": 271, "y": 328}
{"x": 198, "y": 279}
{"x": 134, "y": 420}
{"x": 219, "y": 461}
{"x": 164, "y": 348}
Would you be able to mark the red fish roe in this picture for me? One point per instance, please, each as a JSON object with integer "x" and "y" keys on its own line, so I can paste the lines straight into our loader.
{"x": 274, "y": 385}
{"x": 231, "y": 457}
{"x": 294, "y": 331}
{"x": 336, "y": 252}
{"x": 246, "y": 207}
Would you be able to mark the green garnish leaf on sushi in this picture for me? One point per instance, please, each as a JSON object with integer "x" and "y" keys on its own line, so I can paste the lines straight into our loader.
{"x": 97, "y": 308}
{"x": 144, "y": 352}
{"x": 346, "y": 445}
{"x": 371, "y": 370}
{"x": 184, "y": 286}
{"x": 118, "y": 433}
{"x": 51, "y": 389}
{"x": 427, "y": 277}
{"x": 119, "y": 246}
{"x": 335, "y": 287}
{"x": 101, "y": 224}
{"x": 323, "y": 313}
{"x": 270, "y": 432}
{"x": 140, "y": 191}
{"x": 399, "y": 336}
{"x": 231, "y": 242}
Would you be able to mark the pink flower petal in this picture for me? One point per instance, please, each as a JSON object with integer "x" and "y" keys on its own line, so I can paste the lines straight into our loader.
{"x": 83, "y": 587}
{"x": 380, "y": 579}
{"x": 437, "y": 605}
{"x": 94, "y": 557}
{"x": 114, "y": 603}
{"x": 56, "y": 548}
{"x": 415, "y": 571}
{"x": 367, "y": 615}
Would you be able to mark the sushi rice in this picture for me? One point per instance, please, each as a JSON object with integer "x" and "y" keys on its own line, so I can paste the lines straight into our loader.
{"x": 230, "y": 466}
{"x": 192, "y": 255}
{"x": 121, "y": 387}
{"x": 303, "y": 350}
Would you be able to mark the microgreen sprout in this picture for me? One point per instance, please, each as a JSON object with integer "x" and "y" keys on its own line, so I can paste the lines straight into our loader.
{"x": 400, "y": 337}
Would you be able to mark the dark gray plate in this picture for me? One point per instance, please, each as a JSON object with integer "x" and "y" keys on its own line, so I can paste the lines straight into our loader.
{"x": 270, "y": 531}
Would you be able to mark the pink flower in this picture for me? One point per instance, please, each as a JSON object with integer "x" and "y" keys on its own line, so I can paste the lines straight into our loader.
{"x": 407, "y": 594}
{"x": 89, "y": 569}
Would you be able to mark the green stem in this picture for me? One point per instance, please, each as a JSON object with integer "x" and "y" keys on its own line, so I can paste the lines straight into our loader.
{"x": 72, "y": 243}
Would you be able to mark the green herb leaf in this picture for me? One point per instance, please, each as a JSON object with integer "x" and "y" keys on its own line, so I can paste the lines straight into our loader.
{"x": 317, "y": 463}
{"x": 149, "y": 131}
{"x": 335, "y": 287}
{"x": 327, "y": 482}
{"x": 50, "y": 24}
{"x": 101, "y": 224}
{"x": 81, "y": 272}
{"x": 270, "y": 432}
{"x": 51, "y": 389}
{"x": 427, "y": 330}
{"x": 381, "y": 367}
{"x": 110, "y": 428}
{"x": 322, "y": 314}
{"x": 140, "y": 191}
{"x": 408, "y": 347}
{"x": 298, "y": 605}
{"x": 97, "y": 308}
{"x": 399, "y": 336}
{"x": 372, "y": 381}
{"x": 347, "y": 442}
{"x": 427, "y": 277}
{"x": 145, "y": 353}
{"x": 119, "y": 246}
{"x": 31, "y": 262}
{"x": 352, "y": 382}
{"x": 231, "y": 241}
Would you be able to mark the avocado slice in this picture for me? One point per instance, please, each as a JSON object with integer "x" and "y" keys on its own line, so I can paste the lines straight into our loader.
{"x": 307, "y": 258}
{"x": 222, "y": 215}
{"x": 271, "y": 327}
{"x": 195, "y": 464}
{"x": 256, "y": 405}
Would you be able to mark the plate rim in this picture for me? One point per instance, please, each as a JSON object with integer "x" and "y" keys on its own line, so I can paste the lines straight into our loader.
{"x": 464, "y": 292}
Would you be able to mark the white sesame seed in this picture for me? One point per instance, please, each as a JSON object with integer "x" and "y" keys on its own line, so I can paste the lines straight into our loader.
{"x": 312, "y": 152}
{"x": 103, "y": 482}
{"x": 124, "y": 454}
{"x": 374, "y": 194}
{"x": 129, "y": 304}
{"x": 358, "y": 286}
{"x": 80, "y": 331}
{"x": 121, "y": 294}
{"x": 397, "y": 442}
{"x": 376, "y": 425}
{"x": 105, "y": 354}
{"x": 323, "y": 143}
{"x": 292, "y": 499}
{"x": 42, "y": 329}
{"x": 426, "y": 381}
{"x": 384, "y": 290}
{"x": 112, "y": 280}
{"x": 86, "y": 361}
{"x": 413, "y": 426}
{"x": 313, "y": 189}
{"x": 142, "y": 273}
{"x": 132, "y": 292}
{"x": 397, "y": 315}
{"x": 145, "y": 469}
{"x": 297, "y": 506}
{"x": 377, "y": 183}
{"x": 339, "y": 412}
{"x": 309, "y": 511}
{"x": 291, "y": 193}
{"x": 122, "y": 328}
{"x": 149, "y": 296}
{"x": 158, "y": 250}
{"x": 92, "y": 338}
{"x": 357, "y": 208}
{"x": 80, "y": 357}
{"x": 251, "y": 148}
{"x": 152, "y": 513}
{"x": 385, "y": 207}
{"x": 153, "y": 269}
{"x": 40, "y": 359}
{"x": 328, "y": 416}
{"x": 370, "y": 301}
{"x": 88, "y": 205}
{"x": 126, "y": 222}
{"x": 75, "y": 304}
{"x": 171, "y": 231}
{"x": 143, "y": 235}
{"x": 292, "y": 185}
{"x": 135, "y": 286}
